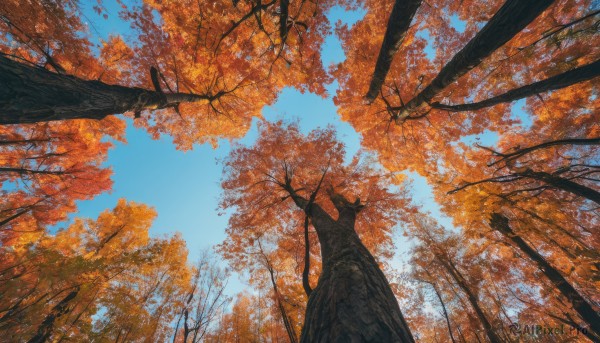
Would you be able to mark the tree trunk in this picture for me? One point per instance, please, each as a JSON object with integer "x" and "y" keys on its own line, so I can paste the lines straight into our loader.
{"x": 472, "y": 297}
{"x": 499, "y": 223}
{"x": 439, "y": 296}
{"x": 306, "y": 271}
{"x": 283, "y": 18}
{"x": 353, "y": 301}
{"x": 31, "y": 94}
{"x": 510, "y": 19}
{"x": 559, "y": 81}
{"x": 398, "y": 23}
{"x": 45, "y": 329}
{"x": 289, "y": 328}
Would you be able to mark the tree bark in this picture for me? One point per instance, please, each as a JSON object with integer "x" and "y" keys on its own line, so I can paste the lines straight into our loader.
{"x": 499, "y": 223}
{"x": 398, "y": 23}
{"x": 353, "y": 301}
{"x": 31, "y": 94}
{"x": 510, "y": 19}
{"x": 559, "y": 81}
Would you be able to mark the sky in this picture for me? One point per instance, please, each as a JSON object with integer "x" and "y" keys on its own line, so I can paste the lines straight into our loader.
{"x": 184, "y": 187}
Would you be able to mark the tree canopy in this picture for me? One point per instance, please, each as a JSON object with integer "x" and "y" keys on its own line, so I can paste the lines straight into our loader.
{"x": 494, "y": 104}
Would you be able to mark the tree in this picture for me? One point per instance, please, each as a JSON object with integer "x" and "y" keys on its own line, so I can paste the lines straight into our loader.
{"x": 50, "y": 166}
{"x": 580, "y": 304}
{"x": 205, "y": 300}
{"x": 440, "y": 253}
{"x": 312, "y": 232}
{"x": 264, "y": 182}
{"x": 228, "y": 71}
{"x": 242, "y": 324}
{"x": 414, "y": 111}
{"x": 53, "y": 289}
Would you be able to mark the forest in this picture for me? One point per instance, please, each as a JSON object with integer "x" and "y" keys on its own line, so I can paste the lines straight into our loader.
{"x": 487, "y": 109}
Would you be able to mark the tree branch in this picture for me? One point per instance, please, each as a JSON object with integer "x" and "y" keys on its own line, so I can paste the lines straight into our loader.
{"x": 559, "y": 81}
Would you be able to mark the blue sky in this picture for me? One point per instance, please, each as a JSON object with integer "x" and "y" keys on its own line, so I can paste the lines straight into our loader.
{"x": 184, "y": 187}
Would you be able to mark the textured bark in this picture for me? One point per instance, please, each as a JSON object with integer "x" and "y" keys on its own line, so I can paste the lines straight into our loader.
{"x": 559, "y": 81}
{"x": 45, "y": 329}
{"x": 353, "y": 301}
{"x": 398, "y": 23}
{"x": 31, "y": 94}
{"x": 499, "y": 223}
{"x": 510, "y": 19}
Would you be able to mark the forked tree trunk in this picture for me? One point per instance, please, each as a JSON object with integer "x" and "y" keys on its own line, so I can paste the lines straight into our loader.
{"x": 499, "y": 223}
{"x": 353, "y": 301}
{"x": 30, "y": 94}
{"x": 510, "y": 19}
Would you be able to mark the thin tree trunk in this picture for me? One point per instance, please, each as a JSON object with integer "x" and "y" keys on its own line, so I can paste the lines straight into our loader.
{"x": 31, "y": 171}
{"x": 398, "y": 23}
{"x": 45, "y": 329}
{"x": 353, "y": 301}
{"x": 439, "y": 296}
{"x": 289, "y": 328}
{"x": 24, "y": 141}
{"x": 473, "y": 299}
{"x": 559, "y": 81}
{"x": 548, "y": 179}
{"x": 500, "y": 223}
{"x": 31, "y": 94}
{"x": 510, "y": 19}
